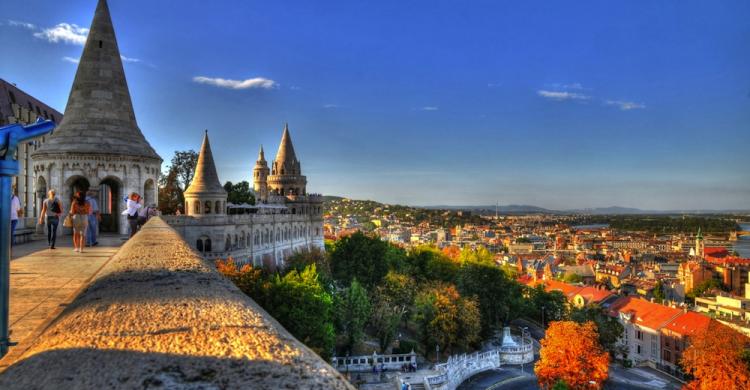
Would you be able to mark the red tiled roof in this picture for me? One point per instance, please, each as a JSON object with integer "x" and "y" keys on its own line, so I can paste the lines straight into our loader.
{"x": 593, "y": 294}
{"x": 645, "y": 313}
{"x": 689, "y": 323}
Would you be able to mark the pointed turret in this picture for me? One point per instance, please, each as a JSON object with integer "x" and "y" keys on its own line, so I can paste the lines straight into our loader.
{"x": 261, "y": 155}
{"x": 286, "y": 171}
{"x": 99, "y": 117}
{"x": 205, "y": 179}
{"x": 286, "y": 161}
{"x": 260, "y": 177}
{"x": 205, "y": 195}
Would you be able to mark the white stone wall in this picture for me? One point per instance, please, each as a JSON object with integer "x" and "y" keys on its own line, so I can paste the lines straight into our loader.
{"x": 251, "y": 238}
{"x": 130, "y": 174}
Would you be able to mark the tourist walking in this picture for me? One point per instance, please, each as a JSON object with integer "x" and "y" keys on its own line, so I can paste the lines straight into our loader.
{"x": 133, "y": 204}
{"x": 79, "y": 211}
{"x": 15, "y": 212}
{"x": 51, "y": 210}
{"x": 92, "y": 233}
{"x": 145, "y": 213}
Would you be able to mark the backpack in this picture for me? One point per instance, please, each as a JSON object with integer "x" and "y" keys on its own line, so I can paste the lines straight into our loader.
{"x": 56, "y": 206}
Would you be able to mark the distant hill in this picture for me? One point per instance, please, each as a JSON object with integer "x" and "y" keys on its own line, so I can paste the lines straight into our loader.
{"x": 531, "y": 209}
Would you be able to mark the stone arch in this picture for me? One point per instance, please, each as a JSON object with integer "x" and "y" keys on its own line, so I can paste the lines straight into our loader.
{"x": 41, "y": 193}
{"x": 207, "y": 207}
{"x": 149, "y": 192}
{"x": 196, "y": 207}
{"x": 110, "y": 195}
{"x": 217, "y": 208}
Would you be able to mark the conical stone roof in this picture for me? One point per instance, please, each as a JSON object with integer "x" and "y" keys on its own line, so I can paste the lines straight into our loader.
{"x": 99, "y": 117}
{"x": 205, "y": 180}
{"x": 286, "y": 155}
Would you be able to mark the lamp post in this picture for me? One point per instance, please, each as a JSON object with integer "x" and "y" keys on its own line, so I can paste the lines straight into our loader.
{"x": 10, "y": 137}
{"x": 437, "y": 353}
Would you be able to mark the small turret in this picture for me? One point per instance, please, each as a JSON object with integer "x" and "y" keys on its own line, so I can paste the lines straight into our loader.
{"x": 205, "y": 195}
{"x": 286, "y": 177}
{"x": 260, "y": 178}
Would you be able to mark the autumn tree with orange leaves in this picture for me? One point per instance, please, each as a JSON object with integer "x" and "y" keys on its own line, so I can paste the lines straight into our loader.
{"x": 715, "y": 359}
{"x": 571, "y": 353}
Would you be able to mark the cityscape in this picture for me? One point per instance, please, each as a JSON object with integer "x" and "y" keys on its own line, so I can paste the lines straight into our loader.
{"x": 406, "y": 196}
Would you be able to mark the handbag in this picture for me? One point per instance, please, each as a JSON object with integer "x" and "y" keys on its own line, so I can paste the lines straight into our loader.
{"x": 68, "y": 222}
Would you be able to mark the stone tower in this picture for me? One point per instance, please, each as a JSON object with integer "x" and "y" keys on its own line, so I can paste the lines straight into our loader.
{"x": 286, "y": 173}
{"x": 205, "y": 196}
{"x": 260, "y": 178}
{"x": 699, "y": 244}
{"x": 98, "y": 144}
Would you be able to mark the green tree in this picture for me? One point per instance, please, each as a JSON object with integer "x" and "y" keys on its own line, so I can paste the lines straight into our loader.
{"x": 427, "y": 263}
{"x": 386, "y": 315}
{"x": 183, "y": 162}
{"x": 170, "y": 194}
{"x": 572, "y": 278}
{"x": 545, "y": 306}
{"x": 239, "y": 193}
{"x": 302, "y": 258}
{"x": 359, "y": 256}
{"x": 479, "y": 255}
{"x": 352, "y": 310}
{"x": 609, "y": 329}
{"x": 174, "y": 182}
{"x": 445, "y": 318}
{"x": 299, "y": 302}
{"x": 500, "y": 299}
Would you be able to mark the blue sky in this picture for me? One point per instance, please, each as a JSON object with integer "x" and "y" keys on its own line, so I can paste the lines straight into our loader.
{"x": 557, "y": 104}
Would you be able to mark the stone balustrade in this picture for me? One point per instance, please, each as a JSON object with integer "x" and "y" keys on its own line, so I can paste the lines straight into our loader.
{"x": 158, "y": 316}
{"x": 360, "y": 363}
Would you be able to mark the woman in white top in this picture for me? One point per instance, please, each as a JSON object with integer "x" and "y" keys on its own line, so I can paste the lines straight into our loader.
{"x": 133, "y": 205}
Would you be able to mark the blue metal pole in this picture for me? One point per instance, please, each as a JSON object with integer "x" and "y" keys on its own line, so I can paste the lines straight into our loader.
{"x": 6, "y": 173}
{"x": 10, "y": 137}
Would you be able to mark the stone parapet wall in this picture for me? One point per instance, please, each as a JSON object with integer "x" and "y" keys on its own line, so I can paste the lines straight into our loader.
{"x": 158, "y": 316}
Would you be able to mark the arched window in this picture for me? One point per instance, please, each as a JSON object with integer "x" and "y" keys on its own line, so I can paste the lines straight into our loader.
{"x": 197, "y": 208}
{"x": 207, "y": 208}
{"x": 217, "y": 208}
{"x": 199, "y": 245}
{"x": 207, "y": 245}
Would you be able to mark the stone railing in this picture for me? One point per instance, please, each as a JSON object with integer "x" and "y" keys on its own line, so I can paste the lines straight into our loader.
{"x": 158, "y": 316}
{"x": 458, "y": 368}
{"x": 394, "y": 362}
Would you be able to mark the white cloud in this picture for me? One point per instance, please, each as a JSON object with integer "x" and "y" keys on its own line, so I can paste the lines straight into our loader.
{"x": 330, "y": 106}
{"x": 577, "y": 86}
{"x": 257, "y": 82}
{"x": 429, "y": 108}
{"x": 494, "y": 85}
{"x": 71, "y": 60}
{"x": 128, "y": 59}
{"x": 64, "y": 32}
{"x": 25, "y": 25}
{"x": 562, "y": 95}
{"x": 624, "y": 105}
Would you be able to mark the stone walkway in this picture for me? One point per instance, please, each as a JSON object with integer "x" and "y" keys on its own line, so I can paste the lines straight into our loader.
{"x": 43, "y": 282}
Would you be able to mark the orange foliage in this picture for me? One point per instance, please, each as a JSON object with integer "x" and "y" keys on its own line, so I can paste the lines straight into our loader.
{"x": 571, "y": 352}
{"x": 250, "y": 280}
{"x": 714, "y": 357}
{"x": 452, "y": 251}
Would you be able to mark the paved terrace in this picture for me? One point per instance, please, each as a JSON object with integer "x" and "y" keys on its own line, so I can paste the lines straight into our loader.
{"x": 43, "y": 282}
{"x": 158, "y": 316}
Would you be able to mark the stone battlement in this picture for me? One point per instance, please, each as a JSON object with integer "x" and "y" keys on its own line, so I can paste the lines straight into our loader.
{"x": 159, "y": 316}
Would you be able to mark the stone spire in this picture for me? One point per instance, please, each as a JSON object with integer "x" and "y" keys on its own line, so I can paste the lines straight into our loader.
{"x": 261, "y": 155}
{"x": 286, "y": 161}
{"x": 99, "y": 117}
{"x": 260, "y": 177}
{"x": 205, "y": 180}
